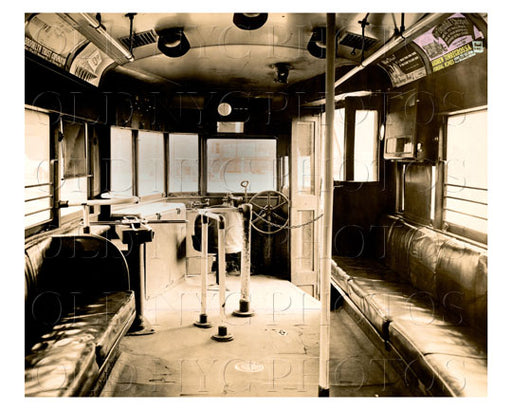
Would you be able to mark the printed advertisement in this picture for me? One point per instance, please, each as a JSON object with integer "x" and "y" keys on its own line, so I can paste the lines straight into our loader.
{"x": 404, "y": 66}
{"x": 451, "y": 41}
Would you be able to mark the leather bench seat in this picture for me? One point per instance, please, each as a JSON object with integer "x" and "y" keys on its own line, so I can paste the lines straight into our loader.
{"x": 339, "y": 276}
{"x": 96, "y": 323}
{"x": 374, "y": 289}
{"x": 99, "y": 318}
{"x": 461, "y": 376}
{"x": 60, "y": 368}
{"x": 379, "y": 300}
{"x": 75, "y": 316}
{"x": 438, "y": 346}
{"x": 428, "y": 299}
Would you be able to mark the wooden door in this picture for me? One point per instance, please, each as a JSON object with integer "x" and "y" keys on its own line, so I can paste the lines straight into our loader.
{"x": 305, "y": 191}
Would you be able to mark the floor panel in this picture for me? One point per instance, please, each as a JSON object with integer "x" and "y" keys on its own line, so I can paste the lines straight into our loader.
{"x": 273, "y": 354}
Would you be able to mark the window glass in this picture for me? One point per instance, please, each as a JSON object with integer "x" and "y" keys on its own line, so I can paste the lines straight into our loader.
{"x": 231, "y": 161}
{"x": 183, "y": 163}
{"x": 339, "y": 145}
{"x": 150, "y": 164}
{"x": 305, "y": 157}
{"x": 74, "y": 149}
{"x": 121, "y": 162}
{"x": 465, "y": 202}
{"x": 73, "y": 190}
{"x": 365, "y": 146}
{"x": 37, "y": 167}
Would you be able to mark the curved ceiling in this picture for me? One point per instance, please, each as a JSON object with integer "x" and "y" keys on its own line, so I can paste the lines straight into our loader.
{"x": 224, "y": 56}
{"x": 221, "y": 55}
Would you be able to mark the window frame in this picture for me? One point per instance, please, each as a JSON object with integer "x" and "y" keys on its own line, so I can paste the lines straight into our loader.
{"x": 136, "y": 161}
{"x": 76, "y": 214}
{"x": 46, "y": 223}
{"x": 167, "y": 148}
{"x": 166, "y": 165}
{"x": 440, "y": 211}
{"x": 351, "y": 106}
{"x": 133, "y": 159}
{"x": 242, "y": 137}
{"x": 376, "y": 141}
{"x": 338, "y": 169}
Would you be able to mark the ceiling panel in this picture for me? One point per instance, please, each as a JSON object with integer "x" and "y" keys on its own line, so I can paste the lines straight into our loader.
{"x": 224, "y": 56}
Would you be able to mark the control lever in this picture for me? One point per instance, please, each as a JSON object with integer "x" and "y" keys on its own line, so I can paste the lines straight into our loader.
{"x": 244, "y": 184}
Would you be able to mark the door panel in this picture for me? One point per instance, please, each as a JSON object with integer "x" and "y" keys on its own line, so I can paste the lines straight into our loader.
{"x": 304, "y": 195}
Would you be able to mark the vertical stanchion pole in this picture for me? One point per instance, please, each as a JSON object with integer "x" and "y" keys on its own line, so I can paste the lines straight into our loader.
{"x": 85, "y": 213}
{"x": 203, "y": 317}
{"x": 222, "y": 332}
{"x": 245, "y": 264}
{"x": 325, "y": 261}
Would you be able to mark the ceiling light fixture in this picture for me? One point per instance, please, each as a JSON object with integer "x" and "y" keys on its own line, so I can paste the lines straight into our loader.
{"x": 249, "y": 21}
{"x": 224, "y": 109}
{"x": 172, "y": 42}
{"x": 282, "y": 71}
{"x": 317, "y": 44}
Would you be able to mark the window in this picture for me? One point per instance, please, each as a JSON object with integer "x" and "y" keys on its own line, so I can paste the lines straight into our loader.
{"x": 73, "y": 190}
{"x": 150, "y": 163}
{"x": 73, "y": 149}
{"x": 365, "y": 146}
{"x": 231, "y": 161}
{"x": 338, "y": 145}
{"x": 121, "y": 161}
{"x": 465, "y": 190}
{"x": 364, "y": 168}
{"x": 73, "y": 186}
{"x": 183, "y": 163}
{"x": 38, "y": 193}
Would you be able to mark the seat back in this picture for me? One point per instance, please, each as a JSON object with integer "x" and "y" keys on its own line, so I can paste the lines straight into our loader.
{"x": 59, "y": 267}
{"x": 398, "y": 247}
{"x": 450, "y": 270}
{"x": 423, "y": 256}
{"x": 461, "y": 279}
{"x": 84, "y": 263}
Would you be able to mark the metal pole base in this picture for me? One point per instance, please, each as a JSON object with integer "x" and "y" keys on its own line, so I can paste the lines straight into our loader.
{"x": 322, "y": 392}
{"x": 140, "y": 327}
{"x": 245, "y": 310}
{"x": 203, "y": 321}
{"x": 223, "y": 335}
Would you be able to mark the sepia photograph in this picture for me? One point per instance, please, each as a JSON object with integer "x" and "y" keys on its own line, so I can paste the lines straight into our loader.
{"x": 276, "y": 204}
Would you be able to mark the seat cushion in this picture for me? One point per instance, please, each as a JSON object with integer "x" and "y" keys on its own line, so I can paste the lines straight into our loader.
{"x": 103, "y": 318}
{"x": 339, "y": 276}
{"x": 448, "y": 356}
{"x": 380, "y": 299}
{"x": 461, "y": 376}
{"x": 78, "y": 344}
{"x": 369, "y": 287}
{"x": 60, "y": 368}
{"x": 420, "y": 329}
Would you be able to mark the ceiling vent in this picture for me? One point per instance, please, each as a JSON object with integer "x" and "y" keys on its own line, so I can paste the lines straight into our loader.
{"x": 140, "y": 39}
{"x": 355, "y": 41}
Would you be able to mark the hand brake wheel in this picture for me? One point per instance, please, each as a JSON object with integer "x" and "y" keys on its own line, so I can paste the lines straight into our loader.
{"x": 270, "y": 212}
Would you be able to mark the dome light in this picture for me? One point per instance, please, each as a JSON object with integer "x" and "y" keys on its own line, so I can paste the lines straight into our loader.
{"x": 249, "y": 21}
{"x": 172, "y": 42}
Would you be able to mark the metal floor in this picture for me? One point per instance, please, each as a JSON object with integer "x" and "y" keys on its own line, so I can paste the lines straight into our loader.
{"x": 273, "y": 354}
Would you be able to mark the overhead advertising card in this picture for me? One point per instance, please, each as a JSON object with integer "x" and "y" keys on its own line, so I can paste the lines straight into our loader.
{"x": 453, "y": 40}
